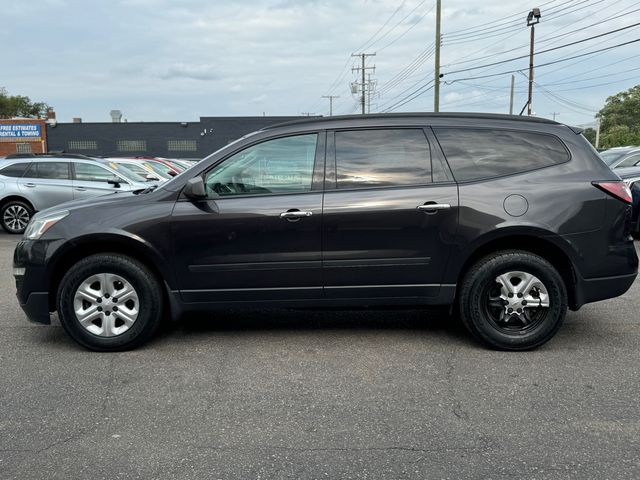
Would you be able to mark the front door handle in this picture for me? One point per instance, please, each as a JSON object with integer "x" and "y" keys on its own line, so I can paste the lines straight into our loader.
{"x": 81, "y": 189}
{"x": 30, "y": 185}
{"x": 431, "y": 208}
{"x": 294, "y": 215}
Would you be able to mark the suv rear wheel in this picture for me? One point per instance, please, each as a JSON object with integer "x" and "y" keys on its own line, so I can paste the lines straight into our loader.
{"x": 513, "y": 300}
{"x": 15, "y": 215}
{"x": 109, "y": 302}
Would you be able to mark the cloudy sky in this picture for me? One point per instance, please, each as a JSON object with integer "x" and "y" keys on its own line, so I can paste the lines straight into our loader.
{"x": 177, "y": 60}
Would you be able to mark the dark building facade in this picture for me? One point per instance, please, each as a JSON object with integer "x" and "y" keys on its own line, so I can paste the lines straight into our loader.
{"x": 159, "y": 139}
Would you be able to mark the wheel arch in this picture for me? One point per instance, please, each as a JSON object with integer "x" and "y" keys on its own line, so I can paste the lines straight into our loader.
{"x": 106, "y": 243}
{"x": 545, "y": 246}
{"x": 17, "y": 198}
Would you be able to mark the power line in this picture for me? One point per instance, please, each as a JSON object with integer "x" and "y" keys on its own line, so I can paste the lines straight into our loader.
{"x": 545, "y": 51}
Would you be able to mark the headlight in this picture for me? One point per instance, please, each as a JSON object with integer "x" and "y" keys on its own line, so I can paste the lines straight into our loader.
{"x": 40, "y": 224}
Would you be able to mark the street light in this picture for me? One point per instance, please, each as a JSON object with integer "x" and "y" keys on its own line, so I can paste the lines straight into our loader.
{"x": 532, "y": 19}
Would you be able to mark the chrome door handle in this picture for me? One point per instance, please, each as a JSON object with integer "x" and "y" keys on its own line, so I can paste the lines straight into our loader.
{"x": 293, "y": 214}
{"x": 433, "y": 206}
{"x": 30, "y": 185}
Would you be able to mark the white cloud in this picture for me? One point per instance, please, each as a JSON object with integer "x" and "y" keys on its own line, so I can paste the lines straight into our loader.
{"x": 202, "y": 57}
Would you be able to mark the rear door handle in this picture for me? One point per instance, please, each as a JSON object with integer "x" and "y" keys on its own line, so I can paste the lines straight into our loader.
{"x": 81, "y": 189}
{"x": 293, "y": 215}
{"x": 433, "y": 207}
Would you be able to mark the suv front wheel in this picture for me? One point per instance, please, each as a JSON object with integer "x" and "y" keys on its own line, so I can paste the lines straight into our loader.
{"x": 109, "y": 302}
{"x": 513, "y": 300}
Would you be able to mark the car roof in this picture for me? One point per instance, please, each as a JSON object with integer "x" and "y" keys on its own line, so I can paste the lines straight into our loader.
{"x": 414, "y": 116}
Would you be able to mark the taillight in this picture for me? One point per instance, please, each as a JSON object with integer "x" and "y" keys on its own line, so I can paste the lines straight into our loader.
{"x": 619, "y": 190}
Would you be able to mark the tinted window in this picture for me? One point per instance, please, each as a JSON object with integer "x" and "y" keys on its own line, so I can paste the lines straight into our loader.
{"x": 483, "y": 153}
{"x": 49, "y": 170}
{"x": 630, "y": 161}
{"x": 380, "y": 158}
{"x": 92, "y": 173}
{"x": 283, "y": 165}
{"x": 14, "y": 170}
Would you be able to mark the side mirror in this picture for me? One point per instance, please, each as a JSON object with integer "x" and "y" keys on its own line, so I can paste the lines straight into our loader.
{"x": 171, "y": 173}
{"x": 194, "y": 189}
{"x": 152, "y": 178}
{"x": 115, "y": 181}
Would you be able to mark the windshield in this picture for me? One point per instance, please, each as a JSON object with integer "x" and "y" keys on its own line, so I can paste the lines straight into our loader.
{"x": 610, "y": 156}
{"x": 125, "y": 172}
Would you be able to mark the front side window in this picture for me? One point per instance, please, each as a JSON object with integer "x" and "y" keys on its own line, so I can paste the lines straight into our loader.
{"x": 14, "y": 170}
{"x": 382, "y": 158}
{"x": 484, "y": 153}
{"x": 85, "y": 172}
{"x": 282, "y": 165}
{"x": 49, "y": 170}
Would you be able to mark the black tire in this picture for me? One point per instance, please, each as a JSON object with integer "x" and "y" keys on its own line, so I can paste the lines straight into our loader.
{"x": 149, "y": 302}
{"x": 479, "y": 315}
{"x": 13, "y": 214}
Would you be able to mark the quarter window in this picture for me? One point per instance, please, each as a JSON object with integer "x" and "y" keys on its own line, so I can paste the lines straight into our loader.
{"x": 483, "y": 153}
{"x": 381, "y": 158}
{"x": 14, "y": 170}
{"x": 282, "y": 165}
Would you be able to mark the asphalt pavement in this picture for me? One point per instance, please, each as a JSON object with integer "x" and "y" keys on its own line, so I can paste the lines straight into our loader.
{"x": 329, "y": 395}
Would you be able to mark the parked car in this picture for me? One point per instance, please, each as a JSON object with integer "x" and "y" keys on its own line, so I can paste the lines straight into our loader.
{"x": 163, "y": 165}
{"x": 621, "y": 157}
{"x": 146, "y": 173}
{"x": 30, "y": 184}
{"x": 507, "y": 220}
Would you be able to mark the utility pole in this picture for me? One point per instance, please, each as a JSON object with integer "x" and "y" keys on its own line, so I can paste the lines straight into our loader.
{"x": 370, "y": 88}
{"x": 363, "y": 68}
{"x": 513, "y": 82}
{"x": 598, "y": 133}
{"x": 555, "y": 114}
{"x": 532, "y": 19}
{"x": 436, "y": 84}
{"x": 330, "y": 97}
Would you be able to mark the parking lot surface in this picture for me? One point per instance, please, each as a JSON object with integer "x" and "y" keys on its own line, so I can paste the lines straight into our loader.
{"x": 341, "y": 394}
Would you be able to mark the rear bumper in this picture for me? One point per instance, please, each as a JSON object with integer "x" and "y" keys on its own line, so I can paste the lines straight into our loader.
{"x": 590, "y": 290}
{"x": 36, "y": 307}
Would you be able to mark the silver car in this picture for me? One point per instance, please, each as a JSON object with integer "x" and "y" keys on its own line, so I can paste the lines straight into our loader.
{"x": 28, "y": 185}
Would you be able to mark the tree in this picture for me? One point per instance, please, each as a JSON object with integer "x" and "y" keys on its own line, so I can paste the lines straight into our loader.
{"x": 590, "y": 134}
{"x": 620, "y": 119}
{"x": 20, "y": 106}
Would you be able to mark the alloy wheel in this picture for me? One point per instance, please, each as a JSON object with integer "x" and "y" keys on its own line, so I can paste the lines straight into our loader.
{"x": 16, "y": 217}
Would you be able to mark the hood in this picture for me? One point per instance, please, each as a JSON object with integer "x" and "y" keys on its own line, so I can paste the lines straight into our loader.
{"x": 109, "y": 198}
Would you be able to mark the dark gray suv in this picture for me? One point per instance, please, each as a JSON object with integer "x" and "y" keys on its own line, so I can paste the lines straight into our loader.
{"x": 508, "y": 221}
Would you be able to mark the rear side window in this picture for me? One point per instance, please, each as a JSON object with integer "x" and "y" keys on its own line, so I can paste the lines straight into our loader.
{"x": 86, "y": 172}
{"x": 49, "y": 170}
{"x": 382, "y": 158}
{"x": 14, "y": 170}
{"x": 484, "y": 153}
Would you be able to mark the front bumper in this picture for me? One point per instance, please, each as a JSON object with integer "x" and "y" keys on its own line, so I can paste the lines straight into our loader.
{"x": 37, "y": 308}
{"x": 32, "y": 282}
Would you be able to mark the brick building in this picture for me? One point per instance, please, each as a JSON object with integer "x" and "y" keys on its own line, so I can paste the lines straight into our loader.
{"x": 22, "y": 135}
